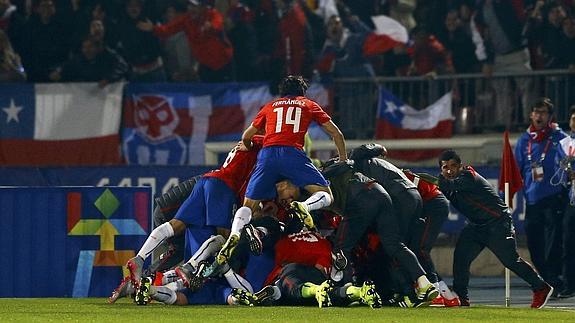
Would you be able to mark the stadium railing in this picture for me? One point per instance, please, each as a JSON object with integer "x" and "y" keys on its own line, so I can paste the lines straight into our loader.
{"x": 480, "y": 104}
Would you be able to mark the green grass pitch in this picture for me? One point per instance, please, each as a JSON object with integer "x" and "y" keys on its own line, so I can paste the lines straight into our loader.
{"x": 97, "y": 310}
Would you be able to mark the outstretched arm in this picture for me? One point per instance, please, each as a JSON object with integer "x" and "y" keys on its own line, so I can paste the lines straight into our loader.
{"x": 338, "y": 139}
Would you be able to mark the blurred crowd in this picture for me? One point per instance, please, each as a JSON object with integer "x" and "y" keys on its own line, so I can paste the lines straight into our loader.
{"x": 253, "y": 40}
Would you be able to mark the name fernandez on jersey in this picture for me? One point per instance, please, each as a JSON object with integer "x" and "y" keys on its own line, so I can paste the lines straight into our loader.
{"x": 288, "y": 102}
{"x": 286, "y": 120}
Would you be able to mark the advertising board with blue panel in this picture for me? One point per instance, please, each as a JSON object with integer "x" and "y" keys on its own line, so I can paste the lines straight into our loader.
{"x": 161, "y": 178}
{"x": 69, "y": 241}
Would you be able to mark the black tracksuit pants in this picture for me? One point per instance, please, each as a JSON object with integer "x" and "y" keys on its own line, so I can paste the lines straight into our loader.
{"x": 499, "y": 237}
{"x": 424, "y": 233}
{"x": 543, "y": 221}
{"x": 372, "y": 207}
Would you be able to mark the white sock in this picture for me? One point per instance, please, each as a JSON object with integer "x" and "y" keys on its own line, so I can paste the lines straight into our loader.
{"x": 237, "y": 281}
{"x": 445, "y": 291}
{"x": 209, "y": 248}
{"x": 318, "y": 200}
{"x": 242, "y": 217}
{"x": 176, "y": 285}
{"x": 158, "y": 235}
{"x": 422, "y": 281}
{"x": 169, "y": 276}
{"x": 163, "y": 294}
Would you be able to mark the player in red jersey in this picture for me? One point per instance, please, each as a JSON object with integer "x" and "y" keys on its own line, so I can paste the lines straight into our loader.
{"x": 302, "y": 264}
{"x": 207, "y": 209}
{"x": 285, "y": 122}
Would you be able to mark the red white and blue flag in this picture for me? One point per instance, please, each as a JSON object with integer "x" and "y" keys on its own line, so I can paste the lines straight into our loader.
{"x": 169, "y": 124}
{"x": 69, "y": 124}
{"x": 397, "y": 120}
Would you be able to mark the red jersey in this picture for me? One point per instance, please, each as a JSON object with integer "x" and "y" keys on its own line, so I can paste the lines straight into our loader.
{"x": 305, "y": 247}
{"x": 286, "y": 120}
{"x": 427, "y": 190}
{"x": 237, "y": 168}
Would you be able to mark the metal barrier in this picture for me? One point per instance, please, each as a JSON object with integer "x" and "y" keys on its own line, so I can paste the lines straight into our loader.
{"x": 480, "y": 104}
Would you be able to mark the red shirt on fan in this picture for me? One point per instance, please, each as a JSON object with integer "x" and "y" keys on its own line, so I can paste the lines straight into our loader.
{"x": 286, "y": 120}
{"x": 306, "y": 248}
{"x": 237, "y": 168}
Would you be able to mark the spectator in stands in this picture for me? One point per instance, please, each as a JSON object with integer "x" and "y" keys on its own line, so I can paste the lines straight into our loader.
{"x": 99, "y": 32}
{"x": 141, "y": 50}
{"x": 244, "y": 39}
{"x": 180, "y": 64}
{"x": 45, "y": 42}
{"x": 12, "y": 23}
{"x": 428, "y": 54}
{"x": 566, "y": 57}
{"x": 543, "y": 31}
{"x": 500, "y": 24}
{"x": 11, "y": 69}
{"x": 402, "y": 11}
{"x": 323, "y": 8}
{"x": 467, "y": 58}
{"x": 96, "y": 64}
{"x": 293, "y": 48}
{"x": 535, "y": 153}
{"x": 204, "y": 28}
{"x": 342, "y": 53}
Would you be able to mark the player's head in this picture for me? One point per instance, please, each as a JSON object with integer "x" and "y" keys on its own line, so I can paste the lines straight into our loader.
{"x": 293, "y": 85}
{"x": 450, "y": 164}
{"x": 287, "y": 192}
{"x": 541, "y": 112}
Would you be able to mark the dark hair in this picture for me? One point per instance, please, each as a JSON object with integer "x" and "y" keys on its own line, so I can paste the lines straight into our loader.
{"x": 449, "y": 155}
{"x": 542, "y": 103}
{"x": 572, "y": 110}
{"x": 293, "y": 85}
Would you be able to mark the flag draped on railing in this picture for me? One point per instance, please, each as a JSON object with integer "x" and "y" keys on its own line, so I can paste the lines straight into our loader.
{"x": 397, "y": 120}
{"x": 60, "y": 124}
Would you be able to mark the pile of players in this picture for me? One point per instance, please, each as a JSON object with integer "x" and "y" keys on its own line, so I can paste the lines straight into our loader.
{"x": 358, "y": 230}
{"x": 357, "y": 250}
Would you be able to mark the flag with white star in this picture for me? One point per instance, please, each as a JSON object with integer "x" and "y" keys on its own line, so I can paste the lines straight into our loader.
{"x": 60, "y": 124}
{"x": 398, "y": 120}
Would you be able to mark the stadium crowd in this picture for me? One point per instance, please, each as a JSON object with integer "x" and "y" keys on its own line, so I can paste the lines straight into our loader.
{"x": 249, "y": 40}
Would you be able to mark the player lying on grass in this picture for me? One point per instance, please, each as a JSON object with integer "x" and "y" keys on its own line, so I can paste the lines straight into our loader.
{"x": 169, "y": 288}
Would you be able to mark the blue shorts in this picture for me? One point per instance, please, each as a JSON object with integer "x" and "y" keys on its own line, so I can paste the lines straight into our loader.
{"x": 277, "y": 163}
{"x": 213, "y": 293}
{"x": 211, "y": 203}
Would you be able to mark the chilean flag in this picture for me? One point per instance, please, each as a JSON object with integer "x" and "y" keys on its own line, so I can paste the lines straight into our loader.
{"x": 397, "y": 120}
{"x": 71, "y": 124}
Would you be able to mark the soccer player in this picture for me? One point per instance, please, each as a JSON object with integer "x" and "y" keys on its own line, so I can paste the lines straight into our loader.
{"x": 434, "y": 213}
{"x": 285, "y": 122}
{"x": 489, "y": 226}
{"x": 208, "y": 208}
